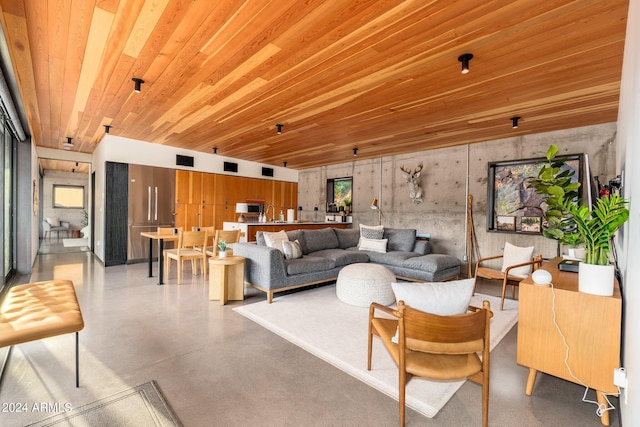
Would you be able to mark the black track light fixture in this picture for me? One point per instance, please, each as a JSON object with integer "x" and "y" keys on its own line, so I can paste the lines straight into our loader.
{"x": 107, "y": 128}
{"x": 355, "y": 152}
{"x": 215, "y": 150}
{"x": 279, "y": 128}
{"x": 465, "y": 58}
{"x": 284, "y": 164}
{"x": 514, "y": 121}
{"x": 138, "y": 83}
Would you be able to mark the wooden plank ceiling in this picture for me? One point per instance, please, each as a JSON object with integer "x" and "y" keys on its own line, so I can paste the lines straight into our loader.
{"x": 381, "y": 76}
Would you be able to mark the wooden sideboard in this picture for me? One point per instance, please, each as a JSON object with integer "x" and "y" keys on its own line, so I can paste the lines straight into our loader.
{"x": 591, "y": 325}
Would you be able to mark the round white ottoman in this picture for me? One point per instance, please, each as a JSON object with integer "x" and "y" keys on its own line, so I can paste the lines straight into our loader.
{"x": 361, "y": 284}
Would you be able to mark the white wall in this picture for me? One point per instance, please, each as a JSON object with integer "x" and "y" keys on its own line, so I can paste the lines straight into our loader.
{"x": 629, "y": 238}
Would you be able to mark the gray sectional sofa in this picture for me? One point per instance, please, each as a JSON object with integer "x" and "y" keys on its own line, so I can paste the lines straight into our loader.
{"x": 326, "y": 251}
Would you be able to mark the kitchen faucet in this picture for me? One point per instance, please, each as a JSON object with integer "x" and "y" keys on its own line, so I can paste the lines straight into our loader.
{"x": 273, "y": 209}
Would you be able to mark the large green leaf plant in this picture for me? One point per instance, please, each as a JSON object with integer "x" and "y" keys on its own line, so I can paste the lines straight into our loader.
{"x": 555, "y": 182}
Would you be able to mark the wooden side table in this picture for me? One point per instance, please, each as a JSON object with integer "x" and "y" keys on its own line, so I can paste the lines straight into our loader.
{"x": 226, "y": 279}
{"x": 590, "y": 324}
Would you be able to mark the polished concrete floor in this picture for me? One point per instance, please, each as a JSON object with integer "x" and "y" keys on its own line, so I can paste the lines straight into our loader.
{"x": 217, "y": 368}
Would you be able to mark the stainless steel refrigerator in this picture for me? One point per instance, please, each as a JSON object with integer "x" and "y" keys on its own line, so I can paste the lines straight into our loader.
{"x": 151, "y": 205}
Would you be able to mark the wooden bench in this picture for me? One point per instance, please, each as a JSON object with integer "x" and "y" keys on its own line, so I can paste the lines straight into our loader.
{"x": 34, "y": 311}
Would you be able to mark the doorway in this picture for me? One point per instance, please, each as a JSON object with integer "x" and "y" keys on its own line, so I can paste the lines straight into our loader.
{"x": 65, "y": 197}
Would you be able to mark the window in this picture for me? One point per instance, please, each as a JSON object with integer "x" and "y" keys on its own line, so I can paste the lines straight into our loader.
{"x": 68, "y": 196}
{"x": 339, "y": 194}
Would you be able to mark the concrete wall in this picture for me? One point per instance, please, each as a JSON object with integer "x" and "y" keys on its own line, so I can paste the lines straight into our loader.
{"x": 444, "y": 180}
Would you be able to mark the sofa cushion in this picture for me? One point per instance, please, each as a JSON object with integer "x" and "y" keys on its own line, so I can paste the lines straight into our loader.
{"x": 390, "y": 258}
{"x": 53, "y": 221}
{"x": 371, "y": 231}
{"x": 431, "y": 262}
{"x": 422, "y": 247}
{"x": 308, "y": 264}
{"x": 274, "y": 240}
{"x": 317, "y": 240}
{"x": 342, "y": 257}
{"x": 292, "y": 250}
{"x": 299, "y": 236}
{"x": 400, "y": 239}
{"x": 441, "y": 298}
{"x": 374, "y": 245}
{"x": 260, "y": 238}
{"x": 347, "y": 238}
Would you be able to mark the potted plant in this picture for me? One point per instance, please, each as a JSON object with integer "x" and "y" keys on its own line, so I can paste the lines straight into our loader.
{"x": 556, "y": 183}
{"x": 571, "y": 223}
{"x": 596, "y": 227}
{"x": 222, "y": 249}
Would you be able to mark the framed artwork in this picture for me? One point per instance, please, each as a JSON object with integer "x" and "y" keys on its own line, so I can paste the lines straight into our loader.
{"x": 339, "y": 194}
{"x": 512, "y": 202}
{"x": 506, "y": 223}
{"x": 531, "y": 224}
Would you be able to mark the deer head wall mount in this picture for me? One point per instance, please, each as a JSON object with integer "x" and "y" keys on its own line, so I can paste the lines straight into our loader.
{"x": 413, "y": 178}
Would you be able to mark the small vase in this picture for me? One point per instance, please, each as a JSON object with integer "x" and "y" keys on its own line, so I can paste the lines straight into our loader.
{"x": 222, "y": 254}
{"x": 596, "y": 279}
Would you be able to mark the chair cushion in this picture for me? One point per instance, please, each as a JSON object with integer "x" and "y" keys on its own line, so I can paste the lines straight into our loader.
{"x": 53, "y": 221}
{"x": 516, "y": 255}
{"x": 441, "y": 298}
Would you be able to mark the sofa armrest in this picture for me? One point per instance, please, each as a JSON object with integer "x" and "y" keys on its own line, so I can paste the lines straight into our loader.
{"x": 264, "y": 266}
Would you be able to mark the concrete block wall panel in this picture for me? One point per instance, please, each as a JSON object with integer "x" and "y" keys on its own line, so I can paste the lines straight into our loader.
{"x": 443, "y": 210}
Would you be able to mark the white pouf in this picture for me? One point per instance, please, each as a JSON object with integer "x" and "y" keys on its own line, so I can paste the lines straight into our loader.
{"x": 361, "y": 284}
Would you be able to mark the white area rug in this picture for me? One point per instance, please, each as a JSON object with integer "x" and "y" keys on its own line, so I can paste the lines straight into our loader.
{"x": 69, "y": 243}
{"x": 317, "y": 321}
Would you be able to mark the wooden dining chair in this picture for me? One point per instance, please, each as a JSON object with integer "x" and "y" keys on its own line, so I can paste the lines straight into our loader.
{"x": 185, "y": 250}
{"x": 229, "y": 236}
{"x": 436, "y": 347}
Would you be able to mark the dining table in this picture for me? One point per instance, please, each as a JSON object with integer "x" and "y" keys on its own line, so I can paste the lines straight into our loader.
{"x": 160, "y": 237}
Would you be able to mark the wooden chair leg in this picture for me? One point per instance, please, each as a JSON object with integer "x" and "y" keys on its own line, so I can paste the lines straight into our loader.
{"x": 370, "y": 348}
{"x": 401, "y": 392}
{"x": 504, "y": 290}
{"x": 180, "y": 272}
{"x": 485, "y": 400}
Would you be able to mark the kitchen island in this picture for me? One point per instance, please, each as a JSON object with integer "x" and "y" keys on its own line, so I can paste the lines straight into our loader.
{"x": 251, "y": 228}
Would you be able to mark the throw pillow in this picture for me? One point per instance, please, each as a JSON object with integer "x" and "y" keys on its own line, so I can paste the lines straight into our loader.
{"x": 54, "y": 222}
{"x": 516, "y": 255}
{"x": 292, "y": 250}
{"x": 441, "y": 298}
{"x": 374, "y": 245}
{"x": 371, "y": 232}
{"x": 274, "y": 240}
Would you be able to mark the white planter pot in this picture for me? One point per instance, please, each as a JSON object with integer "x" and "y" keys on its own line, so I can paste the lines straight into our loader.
{"x": 596, "y": 279}
{"x": 222, "y": 254}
